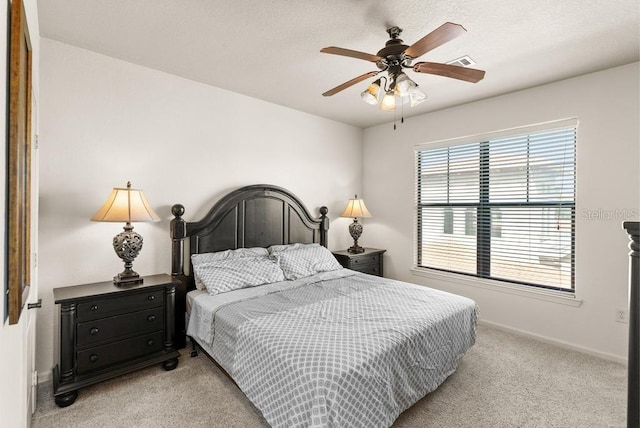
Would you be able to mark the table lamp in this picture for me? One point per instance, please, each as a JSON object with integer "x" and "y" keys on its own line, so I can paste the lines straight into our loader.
{"x": 355, "y": 209}
{"x": 126, "y": 205}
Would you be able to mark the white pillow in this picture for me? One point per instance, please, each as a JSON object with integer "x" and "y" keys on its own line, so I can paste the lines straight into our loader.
{"x": 198, "y": 259}
{"x": 300, "y": 260}
{"x": 234, "y": 273}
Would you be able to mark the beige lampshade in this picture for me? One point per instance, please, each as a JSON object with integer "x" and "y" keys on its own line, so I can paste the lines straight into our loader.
{"x": 356, "y": 209}
{"x": 126, "y": 205}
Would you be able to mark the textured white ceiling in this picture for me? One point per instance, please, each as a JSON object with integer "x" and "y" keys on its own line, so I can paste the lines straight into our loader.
{"x": 271, "y": 49}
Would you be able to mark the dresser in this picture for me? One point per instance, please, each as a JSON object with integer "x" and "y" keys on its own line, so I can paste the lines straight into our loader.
{"x": 368, "y": 262}
{"x": 106, "y": 331}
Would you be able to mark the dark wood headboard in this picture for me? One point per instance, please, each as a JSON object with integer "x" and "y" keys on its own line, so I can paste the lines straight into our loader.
{"x": 252, "y": 216}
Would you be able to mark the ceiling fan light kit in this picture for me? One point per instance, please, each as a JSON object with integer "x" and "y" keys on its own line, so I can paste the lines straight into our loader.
{"x": 388, "y": 101}
{"x": 371, "y": 95}
{"x": 403, "y": 84}
{"x": 395, "y": 57}
{"x": 416, "y": 96}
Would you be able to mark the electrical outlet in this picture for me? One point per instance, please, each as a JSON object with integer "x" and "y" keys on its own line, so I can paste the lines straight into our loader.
{"x": 622, "y": 315}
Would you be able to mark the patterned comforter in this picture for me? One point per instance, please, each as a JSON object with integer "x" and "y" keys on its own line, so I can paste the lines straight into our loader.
{"x": 336, "y": 349}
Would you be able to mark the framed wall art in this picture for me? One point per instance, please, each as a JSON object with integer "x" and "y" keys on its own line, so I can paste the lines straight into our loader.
{"x": 18, "y": 162}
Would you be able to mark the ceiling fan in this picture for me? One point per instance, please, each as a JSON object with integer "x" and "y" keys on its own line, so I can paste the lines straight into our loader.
{"x": 395, "y": 57}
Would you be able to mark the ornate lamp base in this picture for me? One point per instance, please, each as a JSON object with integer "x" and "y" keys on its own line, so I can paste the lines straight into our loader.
{"x": 127, "y": 246}
{"x": 122, "y": 279}
{"x": 355, "y": 230}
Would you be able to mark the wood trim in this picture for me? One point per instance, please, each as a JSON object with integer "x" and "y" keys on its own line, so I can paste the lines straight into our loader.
{"x": 19, "y": 163}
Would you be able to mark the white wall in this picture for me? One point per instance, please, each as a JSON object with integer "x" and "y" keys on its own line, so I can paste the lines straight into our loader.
{"x": 14, "y": 364}
{"x": 106, "y": 121}
{"x": 608, "y": 178}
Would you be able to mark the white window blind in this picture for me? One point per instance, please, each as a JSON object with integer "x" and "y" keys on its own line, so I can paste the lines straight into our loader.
{"x": 503, "y": 208}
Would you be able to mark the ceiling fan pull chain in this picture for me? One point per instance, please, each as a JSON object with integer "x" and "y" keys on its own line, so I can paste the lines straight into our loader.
{"x": 395, "y": 109}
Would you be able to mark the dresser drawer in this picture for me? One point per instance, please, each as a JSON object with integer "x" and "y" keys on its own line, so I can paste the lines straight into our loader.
{"x": 355, "y": 262}
{"x": 370, "y": 269}
{"x": 119, "y": 305}
{"x": 90, "y": 332}
{"x": 101, "y": 356}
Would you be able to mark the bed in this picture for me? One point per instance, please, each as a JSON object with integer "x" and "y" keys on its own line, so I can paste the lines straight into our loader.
{"x": 308, "y": 342}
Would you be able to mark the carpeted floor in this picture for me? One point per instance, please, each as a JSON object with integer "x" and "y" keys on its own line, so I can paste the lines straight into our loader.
{"x": 505, "y": 380}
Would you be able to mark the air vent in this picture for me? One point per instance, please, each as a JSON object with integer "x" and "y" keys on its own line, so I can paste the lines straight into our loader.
{"x": 464, "y": 61}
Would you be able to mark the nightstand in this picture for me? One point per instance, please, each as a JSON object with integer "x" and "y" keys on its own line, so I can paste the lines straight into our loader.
{"x": 105, "y": 331}
{"x": 368, "y": 262}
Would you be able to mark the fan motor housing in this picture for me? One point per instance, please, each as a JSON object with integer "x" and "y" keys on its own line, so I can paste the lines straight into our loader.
{"x": 395, "y": 49}
{"x": 393, "y": 52}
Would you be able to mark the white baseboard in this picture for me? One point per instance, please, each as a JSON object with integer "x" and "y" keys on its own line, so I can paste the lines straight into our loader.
{"x": 560, "y": 343}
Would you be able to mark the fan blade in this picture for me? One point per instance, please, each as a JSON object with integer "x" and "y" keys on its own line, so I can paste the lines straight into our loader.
{"x": 441, "y": 35}
{"x": 447, "y": 70}
{"x": 350, "y": 53}
{"x": 351, "y": 82}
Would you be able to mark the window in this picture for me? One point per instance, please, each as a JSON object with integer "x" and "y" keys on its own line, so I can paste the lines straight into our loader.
{"x": 496, "y": 223}
{"x": 470, "y": 222}
{"x": 448, "y": 221}
{"x": 516, "y": 195}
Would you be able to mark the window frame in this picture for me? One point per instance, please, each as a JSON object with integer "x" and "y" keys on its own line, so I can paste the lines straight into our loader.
{"x": 485, "y": 230}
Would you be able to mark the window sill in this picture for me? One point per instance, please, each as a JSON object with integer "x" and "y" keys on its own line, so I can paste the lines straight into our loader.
{"x": 553, "y": 296}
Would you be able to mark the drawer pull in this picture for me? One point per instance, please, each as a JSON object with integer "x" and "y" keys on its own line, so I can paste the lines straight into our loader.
{"x": 93, "y": 358}
{"x": 93, "y": 331}
{"x": 94, "y": 307}
{"x": 151, "y": 318}
{"x": 150, "y": 342}
{"x": 150, "y": 298}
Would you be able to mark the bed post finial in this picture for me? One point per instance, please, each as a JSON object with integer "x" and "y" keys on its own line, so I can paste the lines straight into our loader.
{"x": 178, "y": 232}
{"x": 324, "y": 227}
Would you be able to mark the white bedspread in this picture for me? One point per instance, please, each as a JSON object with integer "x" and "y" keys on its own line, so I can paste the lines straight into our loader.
{"x": 336, "y": 349}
